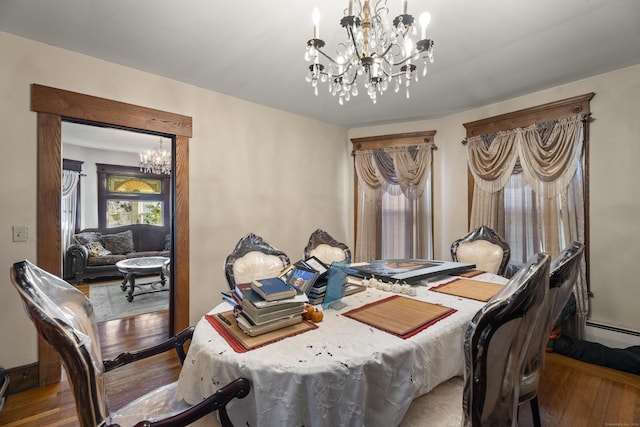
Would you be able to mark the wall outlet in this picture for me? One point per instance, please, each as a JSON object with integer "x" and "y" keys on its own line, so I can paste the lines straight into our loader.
{"x": 20, "y": 233}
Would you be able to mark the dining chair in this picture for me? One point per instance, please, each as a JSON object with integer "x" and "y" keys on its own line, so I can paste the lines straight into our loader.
{"x": 484, "y": 248}
{"x": 64, "y": 318}
{"x": 494, "y": 349}
{"x": 327, "y": 249}
{"x": 253, "y": 258}
{"x": 564, "y": 272}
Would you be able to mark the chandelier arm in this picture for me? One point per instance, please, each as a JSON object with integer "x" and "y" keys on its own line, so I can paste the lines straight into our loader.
{"x": 327, "y": 56}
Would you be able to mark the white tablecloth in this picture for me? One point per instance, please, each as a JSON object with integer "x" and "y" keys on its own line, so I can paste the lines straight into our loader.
{"x": 345, "y": 373}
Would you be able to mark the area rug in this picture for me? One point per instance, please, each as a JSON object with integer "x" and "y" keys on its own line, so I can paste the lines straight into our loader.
{"x": 110, "y": 301}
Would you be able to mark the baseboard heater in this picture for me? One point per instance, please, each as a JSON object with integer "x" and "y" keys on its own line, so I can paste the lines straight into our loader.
{"x": 613, "y": 329}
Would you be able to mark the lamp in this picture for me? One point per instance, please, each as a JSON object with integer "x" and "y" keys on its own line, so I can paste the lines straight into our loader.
{"x": 376, "y": 51}
{"x": 156, "y": 160}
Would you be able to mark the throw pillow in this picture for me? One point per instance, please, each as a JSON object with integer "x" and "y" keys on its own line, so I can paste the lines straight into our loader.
{"x": 119, "y": 243}
{"x": 96, "y": 249}
{"x": 86, "y": 237}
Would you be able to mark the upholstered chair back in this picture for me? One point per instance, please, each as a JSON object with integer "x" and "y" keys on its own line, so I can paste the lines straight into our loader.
{"x": 327, "y": 249}
{"x": 254, "y": 259}
{"x": 484, "y": 248}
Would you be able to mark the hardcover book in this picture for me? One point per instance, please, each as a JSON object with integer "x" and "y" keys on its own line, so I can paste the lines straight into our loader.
{"x": 273, "y": 288}
{"x": 262, "y": 315}
{"x": 254, "y": 330}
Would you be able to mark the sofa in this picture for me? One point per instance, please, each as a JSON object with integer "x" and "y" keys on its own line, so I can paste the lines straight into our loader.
{"x": 94, "y": 252}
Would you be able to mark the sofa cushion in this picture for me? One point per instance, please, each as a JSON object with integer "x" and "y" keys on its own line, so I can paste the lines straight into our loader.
{"x": 96, "y": 249}
{"x": 86, "y": 237}
{"x": 104, "y": 260}
{"x": 119, "y": 243}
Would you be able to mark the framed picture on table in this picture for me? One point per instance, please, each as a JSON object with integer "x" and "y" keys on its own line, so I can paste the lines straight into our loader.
{"x": 301, "y": 277}
{"x": 316, "y": 265}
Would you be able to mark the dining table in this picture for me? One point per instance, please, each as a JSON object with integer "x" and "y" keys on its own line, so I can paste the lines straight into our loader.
{"x": 343, "y": 371}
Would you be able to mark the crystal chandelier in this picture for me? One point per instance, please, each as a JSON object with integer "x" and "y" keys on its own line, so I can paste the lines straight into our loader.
{"x": 156, "y": 160}
{"x": 377, "y": 51}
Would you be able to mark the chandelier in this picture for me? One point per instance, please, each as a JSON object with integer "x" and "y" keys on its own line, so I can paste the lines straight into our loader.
{"x": 377, "y": 51}
{"x": 156, "y": 160}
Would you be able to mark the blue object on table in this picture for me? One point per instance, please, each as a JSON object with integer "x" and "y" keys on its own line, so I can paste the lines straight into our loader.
{"x": 335, "y": 283}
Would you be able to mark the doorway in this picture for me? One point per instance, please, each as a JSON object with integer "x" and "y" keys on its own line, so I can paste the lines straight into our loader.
{"x": 52, "y": 105}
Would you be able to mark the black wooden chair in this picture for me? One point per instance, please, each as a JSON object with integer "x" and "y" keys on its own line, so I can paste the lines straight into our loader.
{"x": 564, "y": 272}
{"x": 484, "y": 248}
{"x": 253, "y": 258}
{"x": 64, "y": 318}
{"x": 494, "y": 348}
{"x": 327, "y": 249}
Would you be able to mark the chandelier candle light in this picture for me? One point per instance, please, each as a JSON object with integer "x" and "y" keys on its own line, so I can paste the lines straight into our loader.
{"x": 377, "y": 51}
{"x": 156, "y": 160}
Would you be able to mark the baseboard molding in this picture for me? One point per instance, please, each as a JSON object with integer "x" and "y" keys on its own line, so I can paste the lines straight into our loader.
{"x": 611, "y": 336}
{"x": 23, "y": 378}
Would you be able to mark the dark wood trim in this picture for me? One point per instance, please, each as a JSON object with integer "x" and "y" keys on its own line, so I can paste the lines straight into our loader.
{"x": 53, "y": 105}
{"x": 48, "y": 245}
{"x": 179, "y": 311}
{"x": 22, "y": 378}
{"x": 529, "y": 116}
{"x": 396, "y": 140}
{"x": 87, "y": 108}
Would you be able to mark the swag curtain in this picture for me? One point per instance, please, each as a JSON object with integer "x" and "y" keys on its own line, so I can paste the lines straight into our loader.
{"x": 394, "y": 171}
{"x": 68, "y": 207}
{"x": 533, "y": 174}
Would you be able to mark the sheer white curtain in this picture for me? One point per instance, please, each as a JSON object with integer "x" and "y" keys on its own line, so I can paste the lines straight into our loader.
{"x": 394, "y": 218}
{"x": 68, "y": 207}
{"x": 529, "y": 188}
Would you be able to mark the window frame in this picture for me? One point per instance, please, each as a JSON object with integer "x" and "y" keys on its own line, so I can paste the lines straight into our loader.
{"x": 105, "y": 171}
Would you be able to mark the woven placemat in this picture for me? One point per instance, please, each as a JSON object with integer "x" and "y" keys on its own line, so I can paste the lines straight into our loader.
{"x": 470, "y": 273}
{"x": 399, "y": 315}
{"x": 242, "y": 342}
{"x": 472, "y": 289}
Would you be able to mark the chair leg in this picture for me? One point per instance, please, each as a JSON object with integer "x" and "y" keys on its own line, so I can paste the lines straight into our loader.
{"x": 535, "y": 411}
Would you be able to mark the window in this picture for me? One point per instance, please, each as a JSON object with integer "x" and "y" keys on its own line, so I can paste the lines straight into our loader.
{"x": 393, "y": 196}
{"x": 128, "y": 196}
{"x": 529, "y": 183}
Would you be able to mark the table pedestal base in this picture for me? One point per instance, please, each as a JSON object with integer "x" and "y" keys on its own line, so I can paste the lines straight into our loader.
{"x": 129, "y": 281}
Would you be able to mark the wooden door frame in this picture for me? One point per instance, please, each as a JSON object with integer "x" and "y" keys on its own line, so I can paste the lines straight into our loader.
{"x": 53, "y": 105}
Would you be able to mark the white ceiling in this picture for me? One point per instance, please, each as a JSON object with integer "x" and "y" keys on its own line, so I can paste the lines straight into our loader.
{"x": 485, "y": 50}
{"x": 104, "y": 138}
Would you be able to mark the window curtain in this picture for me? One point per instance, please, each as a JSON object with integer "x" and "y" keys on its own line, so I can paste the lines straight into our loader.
{"x": 535, "y": 176}
{"x": 68, "y": 207}
{"x": 394, "y": 197}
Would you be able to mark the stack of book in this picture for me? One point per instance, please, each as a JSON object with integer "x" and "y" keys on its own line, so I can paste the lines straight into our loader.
{"x": 282, "y": 307}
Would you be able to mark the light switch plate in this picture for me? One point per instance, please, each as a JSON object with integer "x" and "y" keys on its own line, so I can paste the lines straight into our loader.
{"x": 20, "y": 233}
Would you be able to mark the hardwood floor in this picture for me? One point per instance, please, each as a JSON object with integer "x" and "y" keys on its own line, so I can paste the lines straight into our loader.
{"x": 571, "y": 393}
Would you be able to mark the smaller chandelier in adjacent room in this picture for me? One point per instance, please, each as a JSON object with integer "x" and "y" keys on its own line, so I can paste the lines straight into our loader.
{"x": 156, "y": 160}
{"x": 376, "y": 51}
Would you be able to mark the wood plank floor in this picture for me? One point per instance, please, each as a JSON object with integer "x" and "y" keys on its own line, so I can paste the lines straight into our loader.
{"x": 571, "y": 393}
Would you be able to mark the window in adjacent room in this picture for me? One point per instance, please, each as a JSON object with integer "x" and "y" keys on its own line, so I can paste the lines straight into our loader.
{"x": 128, "y": 196}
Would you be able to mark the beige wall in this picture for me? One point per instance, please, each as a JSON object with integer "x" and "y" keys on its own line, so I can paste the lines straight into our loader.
{"x": 614, "y": 184}
{"x": 280, "y": 175}
{"x": 252, "y": 169}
